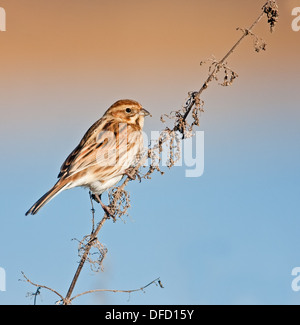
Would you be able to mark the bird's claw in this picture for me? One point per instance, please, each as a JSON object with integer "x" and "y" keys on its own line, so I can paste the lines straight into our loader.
{"x": 133, "y": 174}
{"x": 105, "y": 208}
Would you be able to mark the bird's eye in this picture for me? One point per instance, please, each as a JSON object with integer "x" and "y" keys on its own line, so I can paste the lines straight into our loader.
{"x": 128, "y": 110}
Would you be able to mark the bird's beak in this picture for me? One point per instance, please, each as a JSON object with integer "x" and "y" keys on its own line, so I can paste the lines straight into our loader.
{"x": 144, "y": 112}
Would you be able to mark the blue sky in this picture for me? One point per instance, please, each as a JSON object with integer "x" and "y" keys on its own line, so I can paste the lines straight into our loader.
{"x": 227, "y": 237}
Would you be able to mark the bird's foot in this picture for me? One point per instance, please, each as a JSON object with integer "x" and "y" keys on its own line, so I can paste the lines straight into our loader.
{"x": 132, "y": 173}
{"x": 105, "y": 208}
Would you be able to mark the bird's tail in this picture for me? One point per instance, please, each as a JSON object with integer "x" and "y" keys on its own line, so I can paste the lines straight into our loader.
{"x": 56, "y": 189}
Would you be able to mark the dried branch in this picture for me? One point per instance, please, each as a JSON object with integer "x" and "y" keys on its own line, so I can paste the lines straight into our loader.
{"x": 116, "y": 290}
{"x": 194, "y": 104}
{"x": 67, "y": 302}
{"x": 42, "y": 286}
{"x": 92, "y": 238}
{"x": 194, "y": 96}
{"x": 88, "y": 246}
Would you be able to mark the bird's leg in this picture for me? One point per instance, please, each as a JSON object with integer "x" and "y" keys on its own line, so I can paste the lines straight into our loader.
{"x": 93, "y": 210}
{"x": 106, "y": 209}
{"x": 93, "y": 197}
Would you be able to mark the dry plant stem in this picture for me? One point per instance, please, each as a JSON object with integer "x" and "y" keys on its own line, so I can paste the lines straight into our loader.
{"x": 115, "y": 290}
{"x": 42, "y": 286}
{"x": 93, "y": 237}
{"x": 217, "y": 66}
{"x": 67, "y": 302}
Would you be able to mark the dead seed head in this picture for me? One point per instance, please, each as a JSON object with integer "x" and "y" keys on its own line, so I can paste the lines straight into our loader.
{"x": 96, "y": 254}
{"x": 272, "y": 12}
{"x": 119, "y": 202}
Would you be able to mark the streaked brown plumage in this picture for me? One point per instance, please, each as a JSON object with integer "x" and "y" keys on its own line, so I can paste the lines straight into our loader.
{"x": 106, "y": 151}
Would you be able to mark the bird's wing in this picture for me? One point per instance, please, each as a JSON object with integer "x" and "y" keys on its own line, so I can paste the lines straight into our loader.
{"x": 84, "y": 154}
{"x": 102, "y": 147}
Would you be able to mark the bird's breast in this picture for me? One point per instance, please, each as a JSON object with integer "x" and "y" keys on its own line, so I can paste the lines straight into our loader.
{"x": 98, "y": 187}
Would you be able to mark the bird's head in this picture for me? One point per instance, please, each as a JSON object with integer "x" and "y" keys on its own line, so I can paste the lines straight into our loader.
{"x": 128, "y": 111}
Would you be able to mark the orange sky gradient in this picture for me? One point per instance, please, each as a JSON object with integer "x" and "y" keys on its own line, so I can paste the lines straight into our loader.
{"x": 65, "y": 57}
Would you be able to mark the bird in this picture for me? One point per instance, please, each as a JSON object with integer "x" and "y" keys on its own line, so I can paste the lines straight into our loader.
{"x": 105, "y": 154}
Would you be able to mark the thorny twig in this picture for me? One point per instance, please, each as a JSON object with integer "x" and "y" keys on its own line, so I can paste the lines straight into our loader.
{"x": 118, "y": 196}
{"x": 67, "y": 302}
{"x": 156, "y": 281}
{"x": 42, "y": 286}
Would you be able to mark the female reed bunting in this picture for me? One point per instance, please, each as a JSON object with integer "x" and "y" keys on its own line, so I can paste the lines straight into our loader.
{"x": 104, "y": 155}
